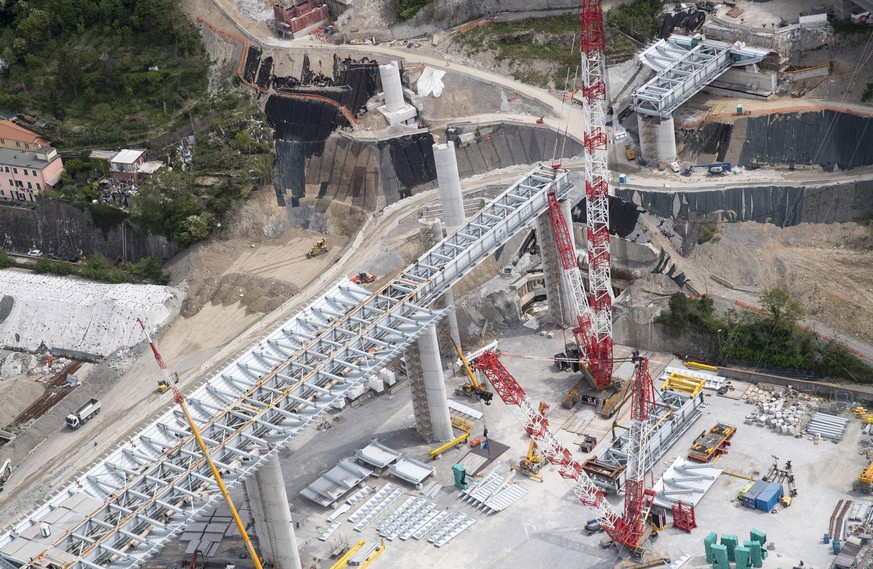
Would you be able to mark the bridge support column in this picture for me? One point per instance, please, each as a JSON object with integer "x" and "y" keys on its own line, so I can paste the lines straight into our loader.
{"x": 560, "y": 306}
{"x": 273, "y": 525}
{"x": 452, "y": 201}
{"x": 429, "y": 402}
{"x": 657, "y": 139}
{"x": 666, "y": 141}
{"x": 391, "y": 86}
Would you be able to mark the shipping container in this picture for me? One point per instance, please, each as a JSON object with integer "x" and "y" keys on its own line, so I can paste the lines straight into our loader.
{"x": 767, "y": 499}
{"x": 748, "y": 497}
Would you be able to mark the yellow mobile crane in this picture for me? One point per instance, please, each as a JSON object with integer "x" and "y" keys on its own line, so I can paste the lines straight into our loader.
{"x": 472, "y": 389}
{"x": 181, "y": 401}
{"x": 239, "y": 524}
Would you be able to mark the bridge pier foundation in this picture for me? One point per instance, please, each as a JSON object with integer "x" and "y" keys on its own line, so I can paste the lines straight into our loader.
{"x": 272, "y": 516}
{"x": 657, "y": 139}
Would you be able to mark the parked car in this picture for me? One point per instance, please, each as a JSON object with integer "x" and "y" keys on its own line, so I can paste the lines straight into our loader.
{"x": 53, "y": 256}
{"x": 34, "y": 253}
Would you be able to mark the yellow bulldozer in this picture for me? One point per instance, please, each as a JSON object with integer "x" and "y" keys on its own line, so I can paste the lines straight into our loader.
{"x": 320, "y": 248}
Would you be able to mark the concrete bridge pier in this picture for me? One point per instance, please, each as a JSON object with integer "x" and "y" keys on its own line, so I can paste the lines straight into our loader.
{"x": 273, "y": 525}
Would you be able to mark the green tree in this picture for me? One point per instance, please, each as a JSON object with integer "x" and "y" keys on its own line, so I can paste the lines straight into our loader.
{"x": 194, "y": 228}
{"x": 6, "y": 260}
{"x": 781, "y": 305}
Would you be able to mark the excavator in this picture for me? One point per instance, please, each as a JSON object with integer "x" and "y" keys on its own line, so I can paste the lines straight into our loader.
{"x": 319, "y": 248}
{"x": 477, "y": 391}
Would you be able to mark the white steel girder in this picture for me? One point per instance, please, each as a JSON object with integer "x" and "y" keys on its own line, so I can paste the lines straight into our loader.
{"x": 685, "y": 65}
{"x": 126, "y": 507}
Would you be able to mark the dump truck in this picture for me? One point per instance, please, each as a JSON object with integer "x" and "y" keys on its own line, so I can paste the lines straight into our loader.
{"x": 319, "y": 248}
{"x": 83, "y": 414}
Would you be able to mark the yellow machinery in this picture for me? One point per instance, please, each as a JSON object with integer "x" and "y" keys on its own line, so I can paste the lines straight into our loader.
{"x": 239, "y": 523}
{"x": 320, "y": 248}
{"x": 472, "y": 389}
{"x": 712, "y": 443}
{"x": 700, "y": 366}
{"x": 630, "y": 152}
{"x": 684, "y": 384}
{"x": 531, "y": 463}
{"x": 343, "y": 561}
{"x": 865, "y": 481}
{"x": 464, "y": 426}
{"x": 862, "y": 414}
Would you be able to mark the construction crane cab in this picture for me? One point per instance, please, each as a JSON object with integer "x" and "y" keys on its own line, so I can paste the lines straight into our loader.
{"x": 319, "y": 248}
{"x": 473, "y": 389}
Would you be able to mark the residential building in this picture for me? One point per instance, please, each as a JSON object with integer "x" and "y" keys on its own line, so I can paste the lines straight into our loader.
{"x": 125, "y": 165}
{"x": 24, "y": 175}
{"x": 19, "y": 138}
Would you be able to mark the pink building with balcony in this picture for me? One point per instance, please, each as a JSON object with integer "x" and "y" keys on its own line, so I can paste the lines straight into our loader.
{"x": 24, "y": 175}
{"x": 19, "y": 138}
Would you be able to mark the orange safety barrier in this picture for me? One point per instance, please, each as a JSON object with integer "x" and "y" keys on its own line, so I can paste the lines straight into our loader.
{"x": 301, "y": 96}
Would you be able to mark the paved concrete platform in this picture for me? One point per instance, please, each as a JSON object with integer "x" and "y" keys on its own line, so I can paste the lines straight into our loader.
{"x": 545, "y": 528}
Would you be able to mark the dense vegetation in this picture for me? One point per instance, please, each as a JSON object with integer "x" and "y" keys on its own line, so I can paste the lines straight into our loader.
{"x": 97, "y": 267}
{"x": 233, "y": 153}
{"x": 408, "y": 8}
{"x": 640, "y": 19}
{"x": 99, "y": 72}
{"x": 765, "y": 340}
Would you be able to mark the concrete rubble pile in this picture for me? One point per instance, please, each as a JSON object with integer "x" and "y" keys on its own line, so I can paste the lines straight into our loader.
{"x": 783, "y": 410}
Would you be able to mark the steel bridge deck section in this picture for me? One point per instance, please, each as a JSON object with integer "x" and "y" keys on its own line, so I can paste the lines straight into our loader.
{"x": 125, "y": 508}
{"x": 685, "y": 65}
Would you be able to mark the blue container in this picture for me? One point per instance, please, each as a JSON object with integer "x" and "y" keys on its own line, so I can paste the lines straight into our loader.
{"x": 767, "y": 499}
{"x": 622, "y": 179}
{"x": 837, "y": 546}
{"x": 826, "y": 538}
{"x": 748, "y": 497}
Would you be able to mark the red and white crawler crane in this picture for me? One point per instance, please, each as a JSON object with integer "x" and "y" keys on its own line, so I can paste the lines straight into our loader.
{"x": 628, "y": 529}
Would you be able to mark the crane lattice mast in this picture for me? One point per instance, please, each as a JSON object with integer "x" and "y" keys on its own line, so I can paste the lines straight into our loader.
{"x": 594, "y": 107}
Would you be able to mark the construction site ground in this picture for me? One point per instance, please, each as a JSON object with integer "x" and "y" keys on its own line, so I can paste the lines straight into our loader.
{"x": 545, "y": 528}
{"x": 241, "y": 284}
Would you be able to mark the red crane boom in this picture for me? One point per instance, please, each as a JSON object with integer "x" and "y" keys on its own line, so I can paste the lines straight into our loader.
{"x": 626, "y": 530}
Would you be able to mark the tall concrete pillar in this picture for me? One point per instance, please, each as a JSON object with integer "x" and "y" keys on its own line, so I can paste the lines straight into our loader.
{"x": 449, "y": 182}
{"x": 435, "y": 385}
{"x": 392, "y": 88}
{"x": 448, "y": 300}
{"x": 452, "y": 201}
{"x": 666, "y": 141}
{"x": 566, "y": 293}
{"x": 273, "y": 525}
{"x": 551, "y": 270}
